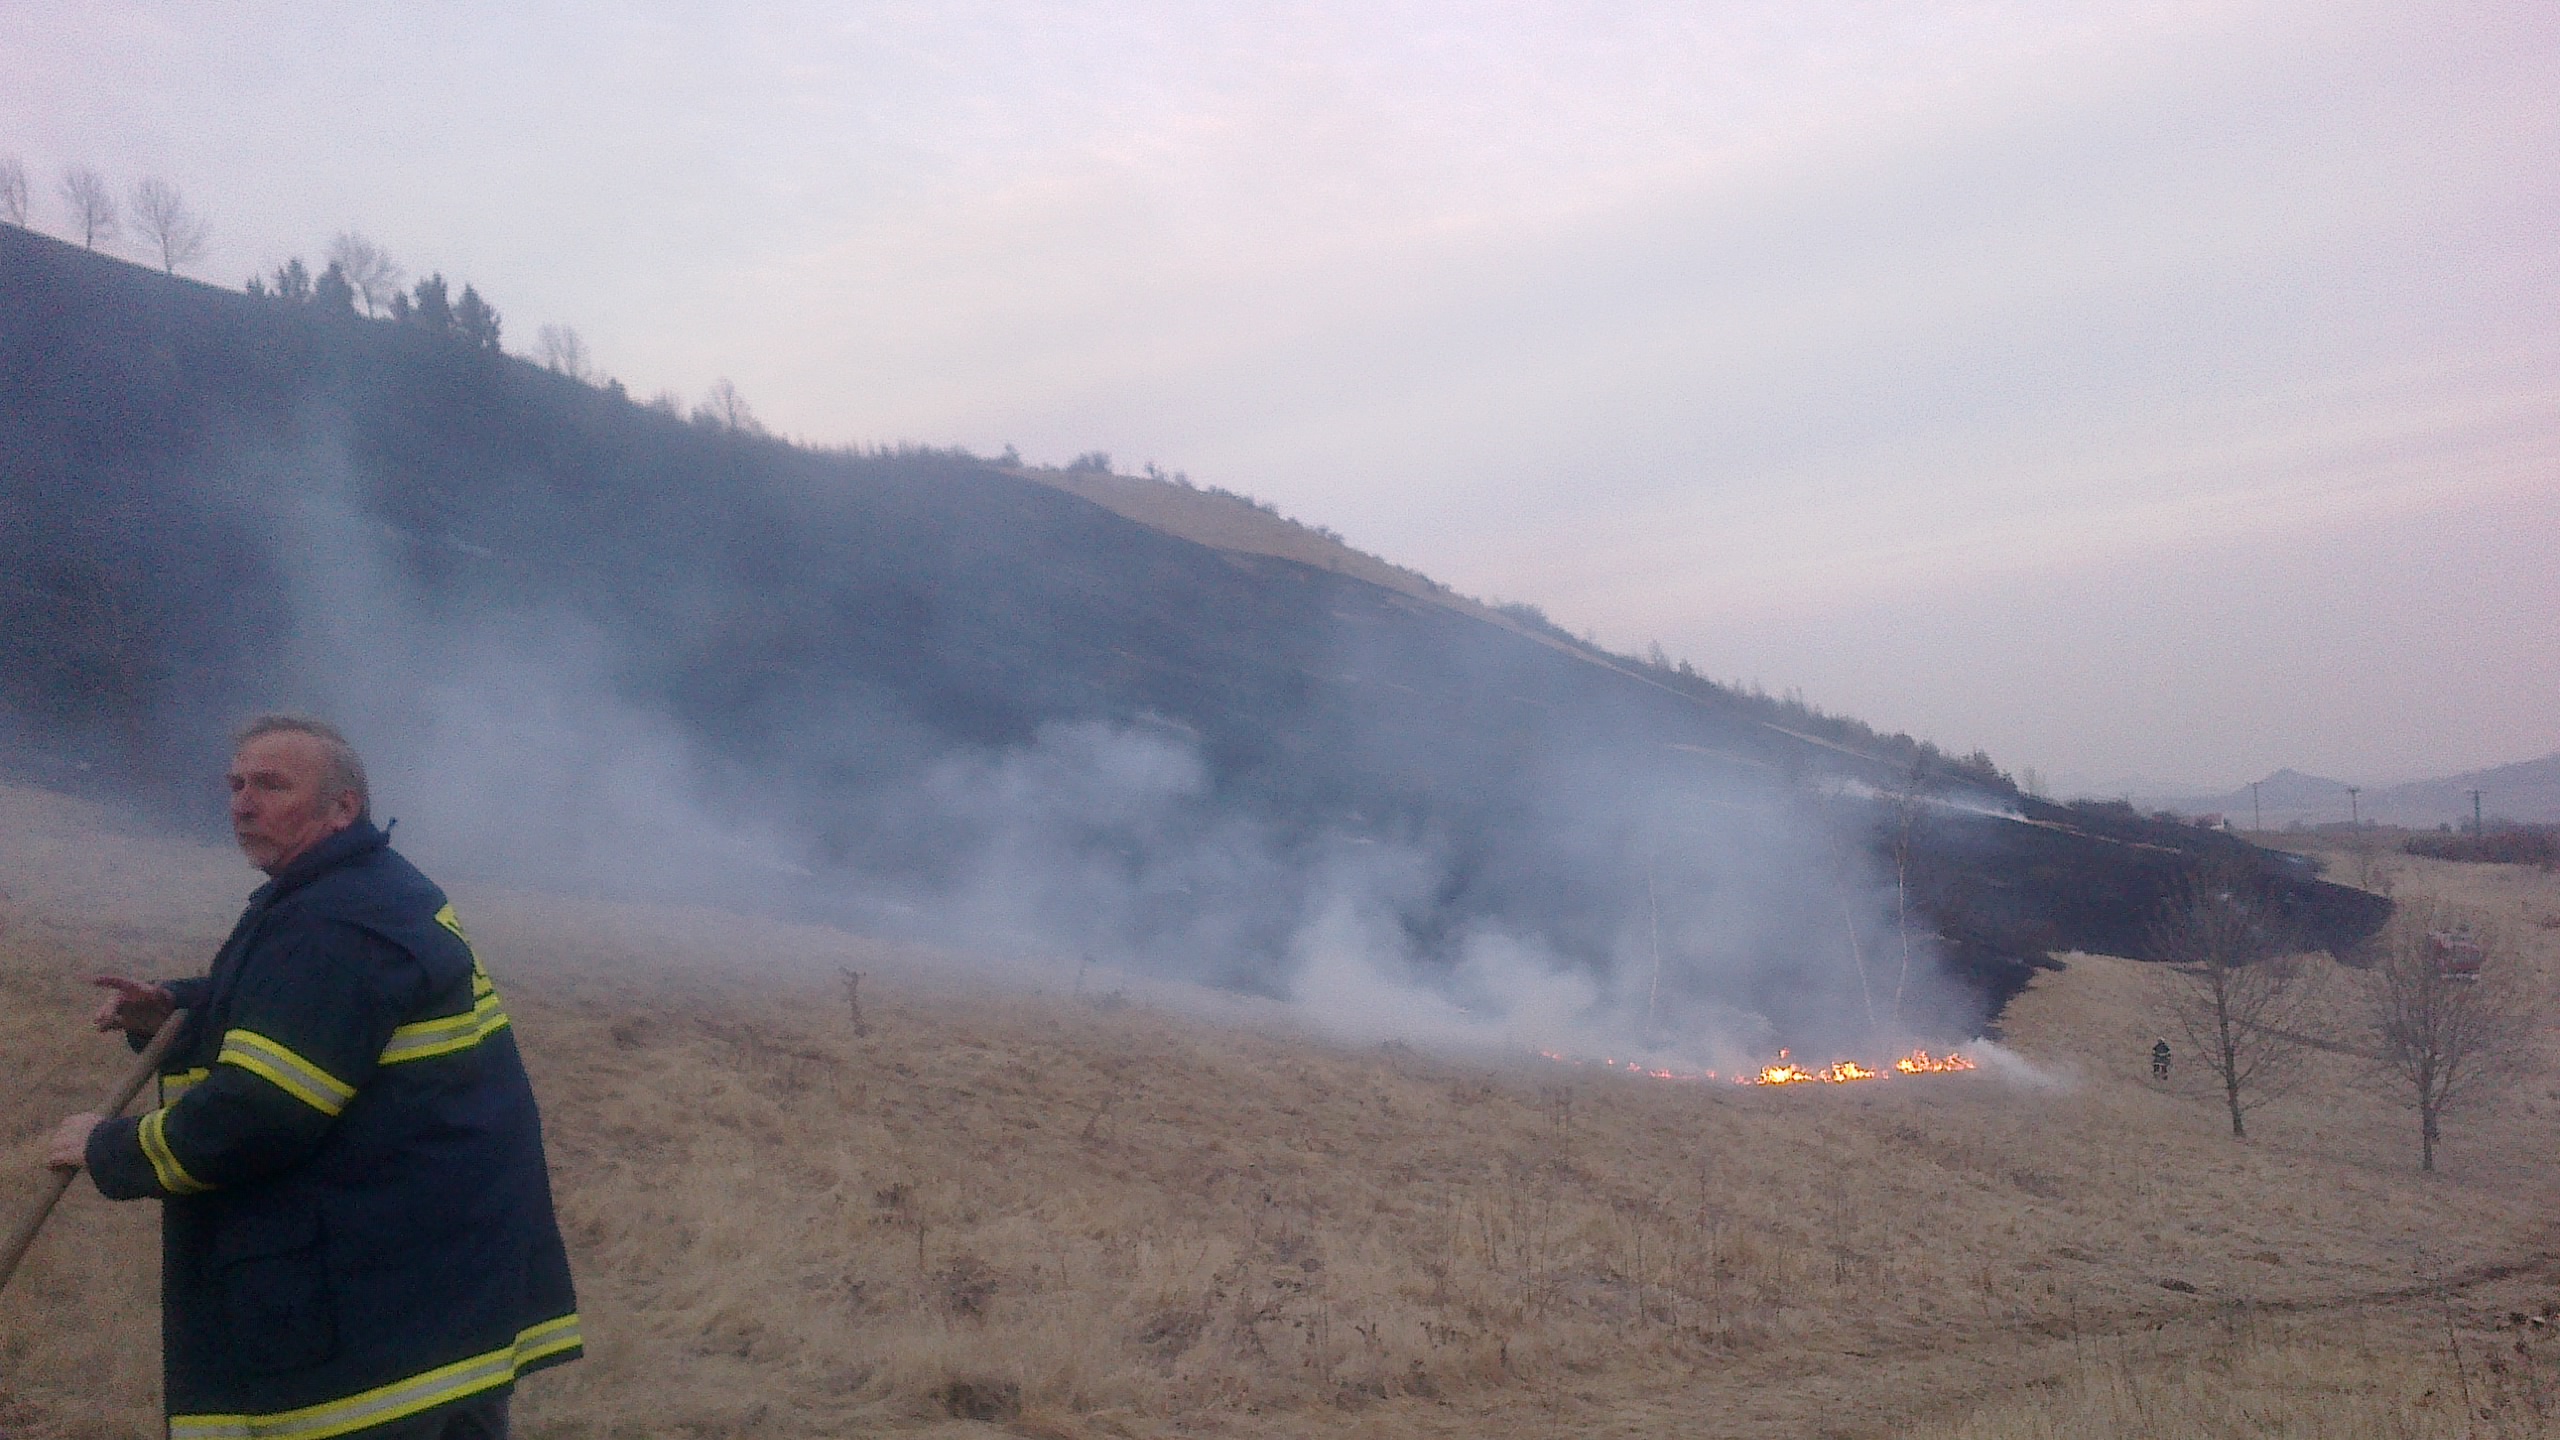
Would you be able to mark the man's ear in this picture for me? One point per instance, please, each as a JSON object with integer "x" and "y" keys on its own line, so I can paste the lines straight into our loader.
{"x": 344, "y": 808}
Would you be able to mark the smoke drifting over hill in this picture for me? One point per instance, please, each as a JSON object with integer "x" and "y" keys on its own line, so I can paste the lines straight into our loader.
{"x": 497, "y": 736}
{"x": 507, "y": 741}
{"x": 591, "y": 646}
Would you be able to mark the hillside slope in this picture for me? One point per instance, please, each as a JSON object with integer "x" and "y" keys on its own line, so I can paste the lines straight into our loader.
{"x": 595, "y": 646}
{"x": 1020, "y": 1210}
{"x": 1226, "y": 521}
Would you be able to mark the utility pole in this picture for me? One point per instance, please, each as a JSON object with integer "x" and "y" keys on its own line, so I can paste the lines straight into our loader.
{"x": 2476, "y": 831}
{"x": 2353, "y": 819}
{"x": 2257, "y": 818}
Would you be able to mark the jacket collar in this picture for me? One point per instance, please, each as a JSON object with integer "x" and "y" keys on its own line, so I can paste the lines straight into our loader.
{"x": 356, "y": 841}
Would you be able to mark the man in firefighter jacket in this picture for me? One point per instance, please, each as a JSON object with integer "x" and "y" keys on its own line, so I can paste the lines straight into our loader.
{"x": 356, "y": 1227}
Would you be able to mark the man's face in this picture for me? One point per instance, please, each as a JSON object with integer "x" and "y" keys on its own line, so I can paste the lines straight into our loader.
{"x": 276, "y": 809}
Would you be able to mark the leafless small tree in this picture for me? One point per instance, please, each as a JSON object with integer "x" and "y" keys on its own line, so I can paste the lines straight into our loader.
{"x": 369, "y": 271}
{"x": 93, "y": 205}
{"x": 1850, "y": 876}
{"x": 559, "y": 350}
{"x": 161, "y": 214}
{"x": 2448, "y": 1031}
{"x": 1911, "y": 800}
{"x": 725, "y": 409}
{"x": 2240, "y": 990}
{"x": 13, "y": 191}
{"x": 2365, "y": 846}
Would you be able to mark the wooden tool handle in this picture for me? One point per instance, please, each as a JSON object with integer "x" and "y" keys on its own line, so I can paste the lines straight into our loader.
{"x": 145, "y": 1066}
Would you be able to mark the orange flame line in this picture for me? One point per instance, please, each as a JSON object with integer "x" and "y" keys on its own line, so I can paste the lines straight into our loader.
{"x": 1787, "y": 1072}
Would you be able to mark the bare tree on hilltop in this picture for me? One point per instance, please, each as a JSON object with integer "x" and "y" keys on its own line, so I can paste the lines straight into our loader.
{"x": 2454, "y": 1013}
{"x": 13, "y": 191}
{"x": 559, "y": 350}
{"x": 93, "y": 205}
{"x": 2242, "y": 992}
{"x": 723, "y": 408}
{"x": 369, "y": 271}
{"x": 161, "y": 214}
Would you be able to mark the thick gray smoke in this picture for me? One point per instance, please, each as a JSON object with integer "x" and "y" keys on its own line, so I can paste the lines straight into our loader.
{"x": 509, "y": 746}
{"x": 498, "y": 741}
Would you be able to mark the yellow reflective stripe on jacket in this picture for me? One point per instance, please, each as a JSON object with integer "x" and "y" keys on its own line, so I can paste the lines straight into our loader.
{"x": 173, "y": 1086}
{"x": 402, "y": 1398}
{"x": 173, "y": 1177}
{"x": 541, "y": 1342}
{"x": 443, "y": 1036}
{"x": 289, "y": 1072}
{"x": 426, "y": 1039}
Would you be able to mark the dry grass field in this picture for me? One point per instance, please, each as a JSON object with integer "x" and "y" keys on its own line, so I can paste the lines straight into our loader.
{"x": 998, "y": 1210}
{"x": 1232, "y": 523}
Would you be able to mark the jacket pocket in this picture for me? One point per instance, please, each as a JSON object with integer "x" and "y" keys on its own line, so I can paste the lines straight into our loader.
{"x": 274, "y": 1283}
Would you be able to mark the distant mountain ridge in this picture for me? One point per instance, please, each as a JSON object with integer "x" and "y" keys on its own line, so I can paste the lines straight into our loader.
{"x": 2525, "y": 792}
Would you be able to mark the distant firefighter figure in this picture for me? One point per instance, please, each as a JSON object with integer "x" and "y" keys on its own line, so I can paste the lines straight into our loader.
{"x": 2160, "y": 1059}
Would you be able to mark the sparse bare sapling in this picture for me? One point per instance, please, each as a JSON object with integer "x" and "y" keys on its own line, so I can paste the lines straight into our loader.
{"x": 2372, "y": 873}
{"x": 2454, "y": 1016}
{"x": 1849, "y": 881}
{"x": 13, "y": 191}
{"x": 725, "y": 409}
{"x": 161, "y": 214}
{"x": 1910, "y": 815}
{"x": 93, "y": 205}
{"x": 560, "y": 351}
{"x": 368, "y": 269}
{"x": 2240, "y": 989}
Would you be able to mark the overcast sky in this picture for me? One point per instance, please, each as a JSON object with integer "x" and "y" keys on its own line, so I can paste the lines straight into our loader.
{"x": 2154, "y": 391}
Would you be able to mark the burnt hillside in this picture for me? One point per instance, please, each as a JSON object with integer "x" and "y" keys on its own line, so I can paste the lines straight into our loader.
{"x": 874, "y": 667}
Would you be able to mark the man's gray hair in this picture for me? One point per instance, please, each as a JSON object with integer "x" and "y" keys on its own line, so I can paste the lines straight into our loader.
{"x": 345, "y": 770}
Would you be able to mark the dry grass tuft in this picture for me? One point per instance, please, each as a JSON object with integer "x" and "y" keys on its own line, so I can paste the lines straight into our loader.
{"x": 985, "y": 1209}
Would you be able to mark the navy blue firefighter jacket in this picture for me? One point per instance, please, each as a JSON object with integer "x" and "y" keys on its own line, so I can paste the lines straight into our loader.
{"x": 356, "y": 1222}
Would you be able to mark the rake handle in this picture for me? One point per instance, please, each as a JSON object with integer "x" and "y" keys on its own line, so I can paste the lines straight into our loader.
{"x": 145, "y": 1065}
